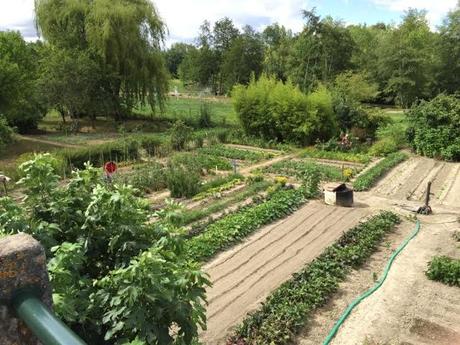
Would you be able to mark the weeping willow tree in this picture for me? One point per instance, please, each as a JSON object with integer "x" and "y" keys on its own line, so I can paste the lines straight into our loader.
{"x": 123, "y": 37}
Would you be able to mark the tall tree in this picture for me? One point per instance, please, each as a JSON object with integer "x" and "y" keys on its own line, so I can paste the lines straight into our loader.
{"x": 123, "y": 36}
{"x": 407, "y": 59}
{"x": 19, "y": 101}
{"x": 277, "y": 41}
{"x": 321, "y": 51}
{"x": 449, "y": 50}
{"x": 243, "y": 59}
{"x": 175, "y": 55}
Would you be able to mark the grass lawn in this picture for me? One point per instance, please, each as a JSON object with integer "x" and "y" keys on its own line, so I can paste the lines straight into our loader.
{"x": 189, "y": 108}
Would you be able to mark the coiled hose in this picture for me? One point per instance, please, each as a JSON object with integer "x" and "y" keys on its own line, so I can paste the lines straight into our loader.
{"x": 369, "y": 292}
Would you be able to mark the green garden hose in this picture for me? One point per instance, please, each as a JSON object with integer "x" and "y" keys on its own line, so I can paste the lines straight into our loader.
{"x": 369, "y": 292}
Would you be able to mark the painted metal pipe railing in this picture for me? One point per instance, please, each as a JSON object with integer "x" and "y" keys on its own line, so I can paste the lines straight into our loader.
{"x": 42, "y": 322}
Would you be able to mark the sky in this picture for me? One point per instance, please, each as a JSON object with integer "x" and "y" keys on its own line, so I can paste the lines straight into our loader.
{"x": 184, "y": 17}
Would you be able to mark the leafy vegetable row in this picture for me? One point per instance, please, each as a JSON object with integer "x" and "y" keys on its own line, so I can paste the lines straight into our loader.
{"x": 296, "y": 168}
{"x": 336, "y": 155}
{"x": 368, "y": 179}
{"x": 218, "y": 189}
{"x": 234, "y": 153}
{"x": 234, "y": 227}
{"x": 285, "y": 311}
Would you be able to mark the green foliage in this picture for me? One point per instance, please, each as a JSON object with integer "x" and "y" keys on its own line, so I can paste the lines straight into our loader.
{"x": 175, "y": 55}
{"x": 434, "y": 129}
{"x": 336, "y": 155}
{"x": 147, "y": 178}
{"x": 19, "y": 100}
{"x": 123, "y": 40}
{"x": 391, "y": 138}
{"x": 273, "y": 110}
{"x": 368, "y": 179}
{"x": 445, "y": 270}
{"x": 182, "y": 181}
{"x": 158, "y": 289}
{"x": 101, "y": 252}
{"x": 407, "y": 59}
{"x": 190, "y": 216}
{"x": 200, "y": 162}
{"x": 180, "y": 135}
{"x": 234, "y": 153}
{"x": 298, "y": 168}
{"x": 448, "y": 47}
{"x": 243, "y": 59}
{"x": 70, "y": 82}
{"x": 204, "y": 120}
{"x": 384, "y": 147}
{"x": 235, "y": 227}
{"x": 119, "y": 151}
{"x": 355, "y": 87}
{"x": 285, "y": 311}
{"x": 321, "y": 51}
{"x": 6, "y": 133}
{"x": 217, "y": 186}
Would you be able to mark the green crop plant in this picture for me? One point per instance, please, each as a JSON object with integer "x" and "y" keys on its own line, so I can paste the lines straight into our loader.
{"x": 234, "y": 153}
{"x": 368, "y": 179}
{"x": 445, "y": 270}
{"x": 233, "y": 228}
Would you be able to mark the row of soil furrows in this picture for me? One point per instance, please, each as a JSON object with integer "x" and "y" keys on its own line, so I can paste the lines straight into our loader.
{"x": 244, "y": 276}
{"x": 409, "y": 180}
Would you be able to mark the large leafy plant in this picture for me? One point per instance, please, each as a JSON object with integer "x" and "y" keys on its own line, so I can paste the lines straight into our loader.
{"x": 434, "y": 127}
{"x": 116, "y": 278}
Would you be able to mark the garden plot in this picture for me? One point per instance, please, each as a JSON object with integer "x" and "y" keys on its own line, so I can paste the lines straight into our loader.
{"x": 409, "y": 308}
{"x": 244, "y": 276}
{"x": 408, "y": 181}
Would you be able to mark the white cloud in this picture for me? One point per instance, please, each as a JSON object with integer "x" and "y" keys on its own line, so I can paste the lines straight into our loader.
{"x": 437, "y": 9}
{"x": 185, "y": 17}
{"x": 18, "y": 15}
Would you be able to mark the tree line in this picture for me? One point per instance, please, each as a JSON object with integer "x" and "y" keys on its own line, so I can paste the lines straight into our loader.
{"x": 106, "y": 57}
{"x": 406, "y": 62}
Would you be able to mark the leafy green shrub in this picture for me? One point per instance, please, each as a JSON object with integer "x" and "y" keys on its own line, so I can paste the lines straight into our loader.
{"x": 182, "y": 181}
{"x": 395, "y": 131}
{"x": 391, "y": 137}
{"x": 367, "y": 179}
{"x": 6, "y": 133}
{"x": 434, "y": 129}
{"x": 286, "y": 310}
{"x": 147, "y": 178}
{"x": 180, "y": 136}
{"x": 101, "y": 250}
{"x": 236, "y": 226}
{"x": 445, "y": 270}
{"x": 383, "y": 147}
{"x": 273, "y": 110}
{"x": 150, "y": 144}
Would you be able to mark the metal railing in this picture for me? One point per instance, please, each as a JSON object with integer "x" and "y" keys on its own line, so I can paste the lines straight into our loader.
{"x": 42, "y": 322}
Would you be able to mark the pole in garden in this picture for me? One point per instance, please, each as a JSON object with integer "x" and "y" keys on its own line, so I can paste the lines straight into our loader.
{"x": 4, "y": 180}
{"x": 110, "y": 168}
